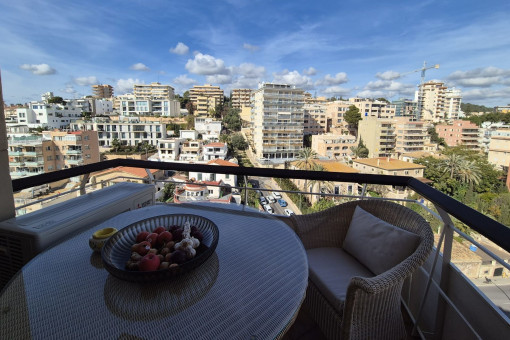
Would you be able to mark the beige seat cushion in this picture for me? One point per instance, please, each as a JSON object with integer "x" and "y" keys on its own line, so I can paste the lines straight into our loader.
{"x": 377, "y": 244}
{"x": 331, "y": 270}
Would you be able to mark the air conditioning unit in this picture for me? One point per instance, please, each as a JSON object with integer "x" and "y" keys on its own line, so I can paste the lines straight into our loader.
{"x": 23, "y": 237}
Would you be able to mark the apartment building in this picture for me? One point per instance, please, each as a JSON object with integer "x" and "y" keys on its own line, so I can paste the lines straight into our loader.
{"x": 499, "y": 148}
{"x": 410, "y": 135}
{"x": 389, "y": 166}
{"x": 240, "y": 98}
{"x": 131, "y": 105}
{"x": 503, "y": 109}
{"x": 405, "y": 107}
{"x": 49, "y": 115}
{"x": 63, "y": 150}
{"x": 213, "y": 151}
{"x": 437, "y": 102}
{"x": 315, "y": 119}
{"x": 129, "y": 131}
{"x": 460, "y": 132}
{"x": 25, "y": 156}
{"x": 378, "y": 135}
{"x": 209, "y": 128}
{"x": 102, "y": 91}
{"x": 153, "y": 90}
{"x": 334, "y": 146}
{"x": 335, "y": 111}
{"x": 373, "y": 108}
{"x": 205, "y": 97}
{"x": 169, "y": 149}
{"x": 277, "y": 122}
{"x": 228, "y": 179}
{"x": 309, "y": 99}
{"x": 191, "y": 151}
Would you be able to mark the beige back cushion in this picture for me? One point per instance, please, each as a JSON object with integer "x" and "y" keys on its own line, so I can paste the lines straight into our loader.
{"x": 377, "y": 244}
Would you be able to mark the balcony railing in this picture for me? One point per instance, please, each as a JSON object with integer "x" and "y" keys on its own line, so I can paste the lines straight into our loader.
{"x": 439, "y": 298}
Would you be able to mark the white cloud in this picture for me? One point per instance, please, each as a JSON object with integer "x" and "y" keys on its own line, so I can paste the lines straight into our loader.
{"x": 85, "y": 81}
{"x": 336, "y": 91}
{"x": 480, "y": 77}
{"x": 339, "y": 78}
{"x": 311, "y": 71}
{"x": 180, "y": 48}
{"x": 249, "y": 70}
{"x": 388, "y": 75}
{"x": 219, "y": 79}
{"x": 39, "y": 69}
{"x": 293, "y": 78}
{"x": 485, "y": 94}
{"x": 139, "y": 67}
{"x": 69, "y": 89}
{"x": 250, "y": 47}
{"x": 206, "y": 65}
{"x": 371, "y": 94}
{"x": 126, "y": 85}
{"x": 183, "y": 80}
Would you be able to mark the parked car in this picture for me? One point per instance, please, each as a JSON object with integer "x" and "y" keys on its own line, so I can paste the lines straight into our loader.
{"x": 277, "y": 195}
{"x": 288, "y": 212}
{"x": 282, "y": 202}
{"x": 268, "y": 208}
{"x": 263, "y": 200}
{"x": 270, "y": 199}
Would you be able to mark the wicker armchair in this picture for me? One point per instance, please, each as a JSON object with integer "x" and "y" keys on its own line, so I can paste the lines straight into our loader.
{"x": 372, "y": 308}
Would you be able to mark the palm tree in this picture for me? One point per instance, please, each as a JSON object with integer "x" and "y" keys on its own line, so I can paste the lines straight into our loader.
{"x": 306, "y": 161}
{"x": 324, "y": 184}
{"x": 459, "y": 167}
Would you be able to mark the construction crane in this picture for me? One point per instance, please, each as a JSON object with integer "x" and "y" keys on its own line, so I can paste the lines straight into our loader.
{"x": 422, "y": 81}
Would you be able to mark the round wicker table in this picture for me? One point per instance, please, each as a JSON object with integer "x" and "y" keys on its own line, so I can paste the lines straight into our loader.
{"x": 251, "y": 288}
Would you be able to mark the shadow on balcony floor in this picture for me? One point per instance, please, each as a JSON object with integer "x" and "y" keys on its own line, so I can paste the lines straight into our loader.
{"x": 304, "y": 328}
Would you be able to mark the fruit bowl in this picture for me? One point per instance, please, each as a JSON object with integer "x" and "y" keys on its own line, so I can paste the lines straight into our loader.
{"x": 117, "y": 250}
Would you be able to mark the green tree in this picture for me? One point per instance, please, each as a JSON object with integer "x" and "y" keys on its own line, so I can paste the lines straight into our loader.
{"x": 381, "y": 99}
{"x": 322, "y": 204}
{"x": 116, "y": 146}
{"x": 232, "y": 120}
{"x": 360, "y": 151}
{"x": 352, "y": 116}
{"x": 191, "y": 109}
{"x": 306, "y": 161}
{"x": 190, "y": 122}
{"x": 434, "y": 137}
{"x": 238, "y": 142}
{"x": 168, "y": 192}
{"x": 56, "y": 100}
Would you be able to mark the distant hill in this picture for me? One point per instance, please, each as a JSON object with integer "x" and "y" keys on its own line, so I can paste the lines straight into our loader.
{"x": 468, "y": 108}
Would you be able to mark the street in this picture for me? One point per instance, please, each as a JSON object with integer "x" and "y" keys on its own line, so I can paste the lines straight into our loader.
{"x": 266, "y": 186}
{"x": 499, "y": 294}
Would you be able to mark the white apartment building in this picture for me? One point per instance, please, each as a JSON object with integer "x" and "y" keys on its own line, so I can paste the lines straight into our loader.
{"x": 240, "y": 98}
{"x": 215, "y": 151}
{"x": 437, "y": 102}
{"x": 95, "y": 106}
{"x": 188, "y": 134}
{"x": 228, "y": 179}
{"x": 278, "y": 122}
{"x": 169, "y": 149}
{"x": 129, "y": 131}
{"x": 153, "y": 90}
{"x": 191, "y": 151}
{"x": 209, "y": 128}
{"x": 131, "y": 105}
{"x": 51, "y": 116}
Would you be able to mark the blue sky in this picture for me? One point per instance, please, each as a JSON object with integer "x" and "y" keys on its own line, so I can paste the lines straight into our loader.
{"x": 333, "y": 48}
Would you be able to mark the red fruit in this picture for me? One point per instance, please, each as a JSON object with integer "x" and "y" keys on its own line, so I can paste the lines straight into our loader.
{"x": 152, "y": 238}
{"x": 149, "y": 262}
{"x": 159, "y": 230}
{"x": 164, "y": 237}
{"x": 177, "y": 234}
{"x": 142, "y": 236}
{"x": 143, "y": 248}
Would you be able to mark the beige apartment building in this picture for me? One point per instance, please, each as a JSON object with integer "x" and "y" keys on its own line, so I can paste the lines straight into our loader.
{"x": 334, "y": 146}
{"x": 25, "y": 156}
{"x": 499, "y": 148}
{"x": 373, "y": 108}
{"x": 378, "y": 135}
{"x": 392, "y": 167}
{"x": 205, "y": 97}
{"x": 315, "y": 119}
{"x": 277, "y": 122}
{"x": 437, "y": 102}
{"x": 460, "y": 132}
{"x": 153, "y": 90}
{"x": 240, "y": 98}
{"x": 335, "y": 112}
{"x": 102, "y": 91}
{"x": 410, "y": 135}
{"x": 63, "y": 150}
{"x": 309, "y": 99}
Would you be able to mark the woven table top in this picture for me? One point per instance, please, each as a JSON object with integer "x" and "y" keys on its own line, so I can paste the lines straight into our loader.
{"x": 250, "y": 288}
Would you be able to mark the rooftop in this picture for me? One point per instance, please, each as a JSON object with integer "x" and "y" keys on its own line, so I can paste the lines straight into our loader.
{"x": 387, "y": 163}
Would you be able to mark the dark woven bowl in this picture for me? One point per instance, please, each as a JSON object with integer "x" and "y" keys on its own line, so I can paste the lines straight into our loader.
{"x": 117, "y": 250}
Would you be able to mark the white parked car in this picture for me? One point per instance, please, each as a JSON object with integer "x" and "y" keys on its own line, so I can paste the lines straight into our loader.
{"x": 288, "y": 212}
{"x": 268, "y": 208}
{"x": 270, "y": 199}
{"x": 277, "y": 195}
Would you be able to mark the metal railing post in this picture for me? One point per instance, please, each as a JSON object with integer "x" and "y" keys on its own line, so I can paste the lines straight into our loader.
{"x": 83, "y": 183}
{"x": 246, "y": 190}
